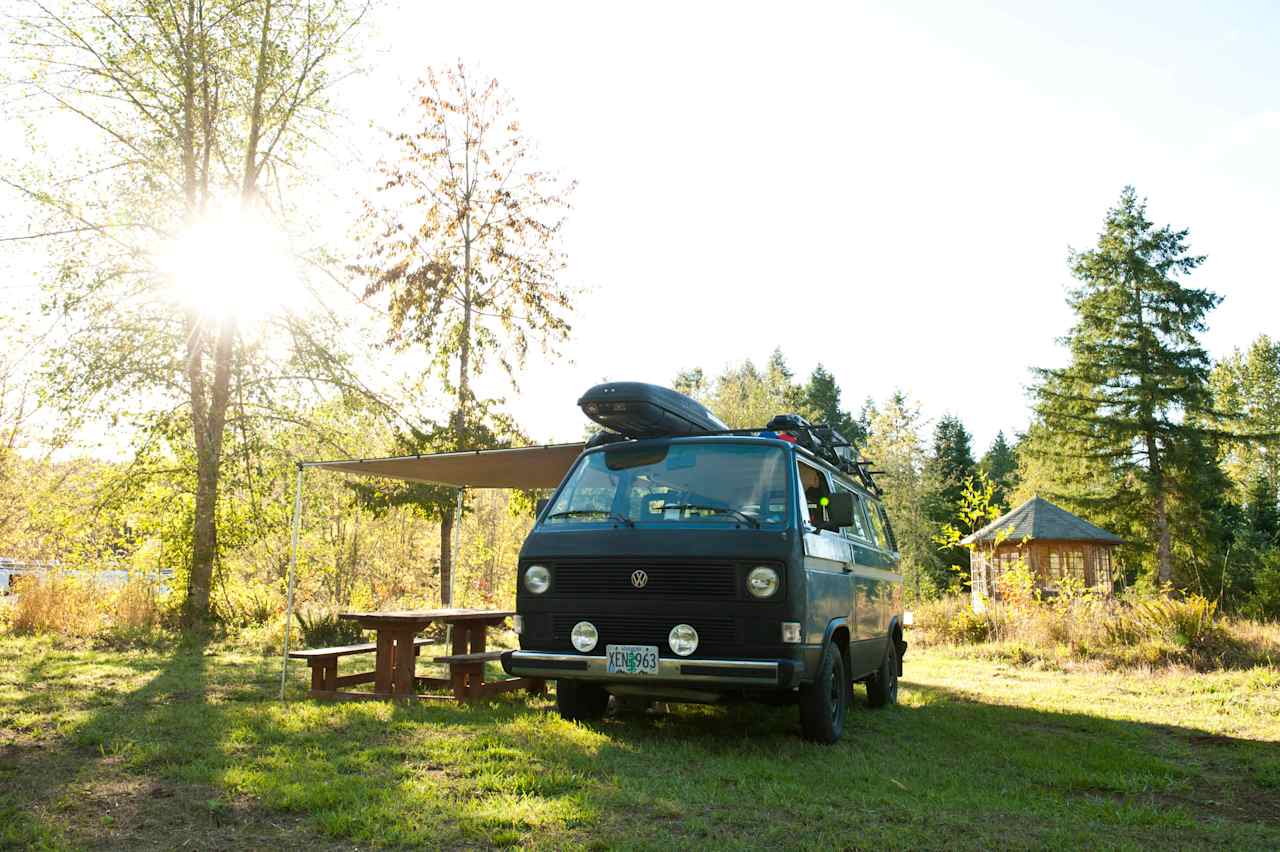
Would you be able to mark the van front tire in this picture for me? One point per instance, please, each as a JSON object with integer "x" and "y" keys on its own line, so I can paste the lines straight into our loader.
{"x": 825, "y": 702}
{"x": 580, "y": 702}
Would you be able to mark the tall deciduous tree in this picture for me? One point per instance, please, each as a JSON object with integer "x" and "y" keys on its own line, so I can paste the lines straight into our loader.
{"x": 1137, "y": 385}
{"x": 184, "y": 109}
{"x": 1247, "y": 384}
{"x": 465, "y": 245}
{"x": 894, "y": 447}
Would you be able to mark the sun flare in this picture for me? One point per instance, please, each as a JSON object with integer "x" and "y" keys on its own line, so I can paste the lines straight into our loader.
{"x": 231, "y": 264}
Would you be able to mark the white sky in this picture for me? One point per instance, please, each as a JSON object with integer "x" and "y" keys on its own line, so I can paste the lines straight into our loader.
{"x": 890, "y": 192}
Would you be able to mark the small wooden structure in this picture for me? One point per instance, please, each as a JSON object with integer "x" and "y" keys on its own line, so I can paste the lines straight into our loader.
{"x": 1053, "y": 543}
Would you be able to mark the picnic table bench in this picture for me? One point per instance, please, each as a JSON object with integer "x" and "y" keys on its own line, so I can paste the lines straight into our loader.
{"x": 395, "y": 669}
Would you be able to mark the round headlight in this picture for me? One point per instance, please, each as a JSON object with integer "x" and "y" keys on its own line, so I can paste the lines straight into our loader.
{"x": 537, "y": 579}
{"x": 584, "y": 636}
{"x": 762, "y": 581}
{"x": 683, "y": 639}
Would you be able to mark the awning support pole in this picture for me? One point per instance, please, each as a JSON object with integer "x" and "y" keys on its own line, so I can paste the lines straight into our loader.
{"x": 293, "y": 566}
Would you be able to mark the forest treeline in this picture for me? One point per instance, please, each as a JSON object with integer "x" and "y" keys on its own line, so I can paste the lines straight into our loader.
{"x": 195, "y": 137}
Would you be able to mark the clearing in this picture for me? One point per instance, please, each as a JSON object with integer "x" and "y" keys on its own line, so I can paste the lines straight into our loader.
{"x": 155, "y": 749}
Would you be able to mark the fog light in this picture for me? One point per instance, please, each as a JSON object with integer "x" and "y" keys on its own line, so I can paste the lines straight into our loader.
{"x": 683, "y": 639}
{"x": 584, "y": 636}
{"x": 791, "y": 632}
{"x": 517, "y": 624}
{"x": 537, "y": 579}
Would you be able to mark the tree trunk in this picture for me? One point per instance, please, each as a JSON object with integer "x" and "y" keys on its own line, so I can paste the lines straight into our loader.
{"x": 1160, "y": 503}
{"x": 446, "y": 556}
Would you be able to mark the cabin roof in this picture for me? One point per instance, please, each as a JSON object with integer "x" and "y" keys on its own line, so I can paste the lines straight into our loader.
{"x": 1041, "y": 520}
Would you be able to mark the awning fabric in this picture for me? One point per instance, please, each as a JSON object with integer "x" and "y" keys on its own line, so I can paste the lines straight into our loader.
{"x": 521, "y": 467}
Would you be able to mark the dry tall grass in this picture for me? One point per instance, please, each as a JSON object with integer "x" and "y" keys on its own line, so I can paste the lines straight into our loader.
{"x": 1153, "y": 631}
{"x": 79, "y": 608}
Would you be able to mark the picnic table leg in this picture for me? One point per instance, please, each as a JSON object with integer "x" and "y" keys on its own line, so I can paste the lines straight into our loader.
{"x": 382, "y": 670}
{"x": 405, "y": 662}
{"x": 331, "y": 674}
{"x": 478, "y": 633}
{"x": 458, "y": 673}
{"x": 317, "y": 676}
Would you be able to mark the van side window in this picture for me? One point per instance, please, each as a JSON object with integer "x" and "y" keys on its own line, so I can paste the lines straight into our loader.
{"x": 859, "y": 528}
{"x": 874, "y": 514}
{"x": 813, "y": 484}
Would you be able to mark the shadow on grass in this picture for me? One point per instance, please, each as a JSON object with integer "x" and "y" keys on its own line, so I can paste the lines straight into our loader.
{"x": 124, "y": 768}
{"x": 209, "y": 755}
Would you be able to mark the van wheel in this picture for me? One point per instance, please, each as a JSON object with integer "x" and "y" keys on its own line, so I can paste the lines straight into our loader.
{"x": 823, "y": 703}
{"x": 580, "y": 702}
{"x": 882, "y": 687}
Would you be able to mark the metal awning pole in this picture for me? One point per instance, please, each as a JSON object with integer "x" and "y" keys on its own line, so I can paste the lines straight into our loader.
{"x": 293, "y": 566}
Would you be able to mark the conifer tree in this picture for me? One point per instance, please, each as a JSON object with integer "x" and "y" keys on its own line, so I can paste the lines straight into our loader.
{"x": 1000, "y": 464}
{"x": 822, "y": 399}
{"x": 1136, "y": 389}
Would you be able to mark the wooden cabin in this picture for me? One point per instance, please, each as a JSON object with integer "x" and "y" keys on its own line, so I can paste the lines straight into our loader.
{"x": 1053, "y": 542}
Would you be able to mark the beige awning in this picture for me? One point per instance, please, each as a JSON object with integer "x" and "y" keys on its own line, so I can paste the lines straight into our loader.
{"x": 521, "y": 467}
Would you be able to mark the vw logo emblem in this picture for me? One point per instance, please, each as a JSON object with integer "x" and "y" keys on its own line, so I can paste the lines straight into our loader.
{"x": 639, "y": 579}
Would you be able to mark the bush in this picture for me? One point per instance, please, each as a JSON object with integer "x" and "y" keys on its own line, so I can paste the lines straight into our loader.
{"x": 77, "y": 607}
{"x": 1140, "y": 630}
{"x": 324, "y": 629}
{"x": 58, "y": 604}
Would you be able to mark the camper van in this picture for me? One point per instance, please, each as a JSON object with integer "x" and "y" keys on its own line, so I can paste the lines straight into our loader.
{"x": 683, "y": 561}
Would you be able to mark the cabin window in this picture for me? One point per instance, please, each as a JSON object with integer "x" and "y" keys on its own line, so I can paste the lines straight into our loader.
{"x": 1075, "y": 564}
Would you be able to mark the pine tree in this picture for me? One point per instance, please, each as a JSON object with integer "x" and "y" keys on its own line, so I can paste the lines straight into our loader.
{"x": 822, "y": 399}
{"x": 1000, "y": 464}
{"x": 951, "y": 465}
{"x": 1137, "y": 385}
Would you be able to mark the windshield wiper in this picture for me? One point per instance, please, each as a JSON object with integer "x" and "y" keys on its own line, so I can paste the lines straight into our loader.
{"x": 573, "y": 513}
{"x": 742, "y": 516}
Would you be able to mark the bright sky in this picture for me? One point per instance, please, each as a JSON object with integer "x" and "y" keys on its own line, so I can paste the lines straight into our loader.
{"x": 892, "y": 193}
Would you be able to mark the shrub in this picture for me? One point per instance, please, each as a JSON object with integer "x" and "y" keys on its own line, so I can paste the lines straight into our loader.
{"x": 59, "y": 604}
{"x": 324, "y": 628}
{"x": 1140, "y": 630}
{"x": 77, "y": 607}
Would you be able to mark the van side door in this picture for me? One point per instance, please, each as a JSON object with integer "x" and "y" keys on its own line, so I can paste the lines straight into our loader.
{"x": 827, "y": 563}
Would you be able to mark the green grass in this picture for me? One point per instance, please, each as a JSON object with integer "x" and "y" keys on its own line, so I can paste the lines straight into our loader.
{"x": 144, "y": 749}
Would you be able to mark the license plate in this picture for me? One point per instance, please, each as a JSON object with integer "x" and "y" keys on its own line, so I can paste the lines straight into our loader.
{"x": 632, "y": 659}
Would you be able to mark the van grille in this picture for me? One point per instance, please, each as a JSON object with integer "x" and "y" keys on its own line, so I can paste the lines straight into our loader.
{"x": 666, "y": 579}
{"x": 646, "y": 629}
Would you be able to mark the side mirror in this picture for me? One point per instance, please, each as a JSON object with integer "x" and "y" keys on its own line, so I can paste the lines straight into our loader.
{"x": 840, "y": 510}
{"x": 540, "y": 506}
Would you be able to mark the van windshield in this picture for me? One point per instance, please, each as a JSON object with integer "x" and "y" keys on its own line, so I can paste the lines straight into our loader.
{"x": 677, "y": 483}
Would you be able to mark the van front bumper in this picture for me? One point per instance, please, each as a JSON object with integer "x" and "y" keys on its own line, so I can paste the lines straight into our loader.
{"x": 762, "y": 674}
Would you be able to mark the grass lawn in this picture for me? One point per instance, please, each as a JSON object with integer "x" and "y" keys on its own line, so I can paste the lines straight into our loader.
{"x": 142, "y": 749}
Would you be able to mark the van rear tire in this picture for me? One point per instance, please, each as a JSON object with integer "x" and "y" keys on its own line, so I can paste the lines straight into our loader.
{"x": 825, "y": 702}
{"x": 580, "y": 702}
{"x": 882, "y": 687}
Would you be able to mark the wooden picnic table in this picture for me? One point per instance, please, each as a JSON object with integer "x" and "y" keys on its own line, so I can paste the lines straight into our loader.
{"x": 396, "y": 651}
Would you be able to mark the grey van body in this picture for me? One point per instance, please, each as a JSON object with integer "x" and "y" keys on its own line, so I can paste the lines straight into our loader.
{"x": 635, "y": 568}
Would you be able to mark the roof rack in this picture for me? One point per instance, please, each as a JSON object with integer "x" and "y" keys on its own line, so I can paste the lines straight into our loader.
{"x": 827, "y": 444}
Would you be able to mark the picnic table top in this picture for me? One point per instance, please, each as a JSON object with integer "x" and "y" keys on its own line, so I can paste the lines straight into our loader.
{"x": 409, "y": 617}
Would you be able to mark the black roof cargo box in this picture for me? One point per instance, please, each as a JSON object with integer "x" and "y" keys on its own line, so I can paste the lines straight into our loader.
{"x": 639, "y": 410}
